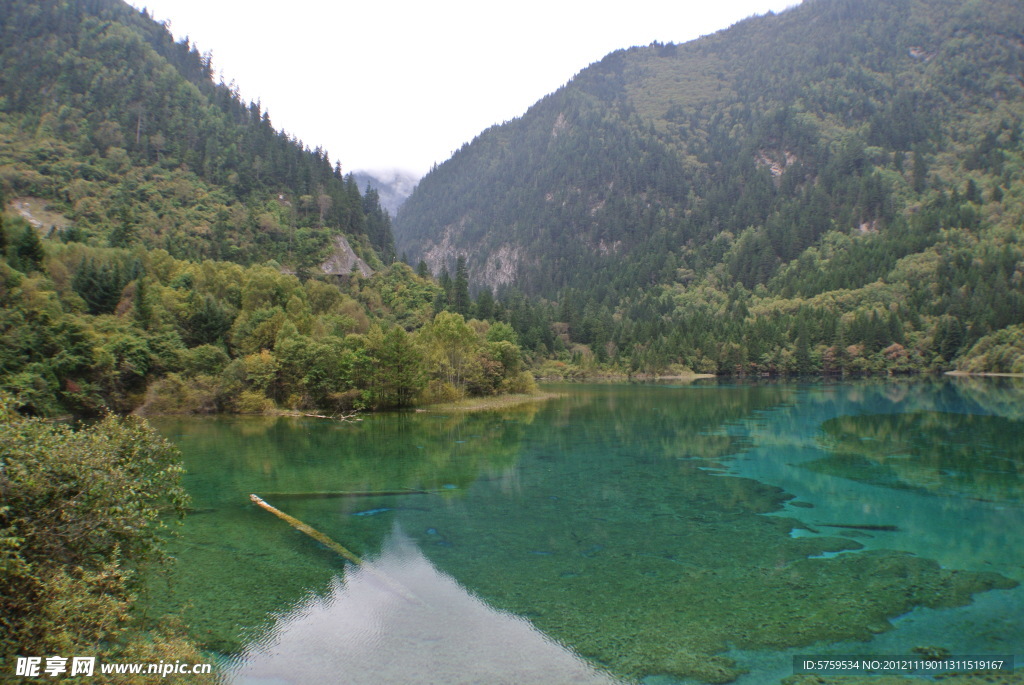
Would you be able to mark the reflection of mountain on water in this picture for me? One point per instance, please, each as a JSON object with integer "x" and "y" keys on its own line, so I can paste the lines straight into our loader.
{"x": 366, "y": 628}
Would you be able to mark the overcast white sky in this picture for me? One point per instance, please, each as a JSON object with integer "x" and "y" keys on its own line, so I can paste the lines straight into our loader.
{"x": 403, "y": 84}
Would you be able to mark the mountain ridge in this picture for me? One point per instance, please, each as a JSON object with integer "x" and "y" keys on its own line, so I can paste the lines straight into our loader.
{"x": 117, "y": 124}
{"x": 170, "y": 251}
{"x": 821, "y": 149}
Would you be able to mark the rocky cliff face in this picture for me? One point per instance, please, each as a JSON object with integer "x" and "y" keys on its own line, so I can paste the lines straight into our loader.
{"x": 344, "y": 260}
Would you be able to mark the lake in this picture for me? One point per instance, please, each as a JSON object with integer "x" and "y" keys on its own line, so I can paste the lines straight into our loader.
{"x": 651, "y": 533}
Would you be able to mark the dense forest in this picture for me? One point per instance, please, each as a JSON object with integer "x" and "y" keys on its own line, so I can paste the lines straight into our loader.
{"x": 839, "y": 188}
{"x": 836, "y": 188}
{"x": 163, "y": 247}
{"x": 124, "y": 129}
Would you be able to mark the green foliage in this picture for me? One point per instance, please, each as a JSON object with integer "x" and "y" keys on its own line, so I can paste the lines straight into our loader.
{"x": 23, "y": 248}
{"x": 796, "y": 194}
{"x": 126, "y": 132}
{"x": 101, "y": 283}
{"x": 451, "y": 348}
{"x": 1000, "y": 352}
{"x": 81, "y": 511}
{"x": 466, "y": 358}
{"x": 398, "y": 370}
{"x": 126, "y": 330}
{"x": 253, "y": 402}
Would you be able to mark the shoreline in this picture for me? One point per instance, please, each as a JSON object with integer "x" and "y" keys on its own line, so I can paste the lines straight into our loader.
{"x": 495, "y": 402}
{"x": 624, "y": 378}
{"x": 983, "y": 374}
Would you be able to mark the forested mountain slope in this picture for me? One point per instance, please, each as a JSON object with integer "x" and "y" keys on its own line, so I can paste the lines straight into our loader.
{"x": 164, "y": 246}
{"x": 106, "y": 116}
{"x": 802, "y": 191}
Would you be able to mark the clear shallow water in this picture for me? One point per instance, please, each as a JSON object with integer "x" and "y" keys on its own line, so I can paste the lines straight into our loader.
{"x": 620, "y": 534}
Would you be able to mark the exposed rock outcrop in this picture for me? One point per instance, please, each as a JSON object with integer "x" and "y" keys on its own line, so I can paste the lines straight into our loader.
{"x": 344, "y": 259}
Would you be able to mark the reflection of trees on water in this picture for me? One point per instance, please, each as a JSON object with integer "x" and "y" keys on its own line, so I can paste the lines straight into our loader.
{"x": 663, "y": 421}
{"x": 997, "y": 396}
{"x": 382, "y": 452}
{"x": 400, "y": 620}
{"x": 942, "y": 453}
{"x": 237, "y": 565}
{"x": 593, "y": 516}
{"x": 617, "y": 541}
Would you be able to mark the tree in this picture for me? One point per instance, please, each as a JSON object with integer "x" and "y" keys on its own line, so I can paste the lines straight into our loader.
{"x": 802, "y": 354}
{"x": 82, "y": 510}
{"x": 450, "y": 346}
{"x": 484, "y": 308}
{"x": 124, "y": 232}
{"x": 398, "y": 372}
{"x": 445, "y": 281}
{"x": 207, "y": 320}
{"x": 25, "y": 250}
{"x": 919, "y": 173}
{"x": 3, "y": 231}
{"x": 460, "y": 300}
{"x": 100, "y": 283}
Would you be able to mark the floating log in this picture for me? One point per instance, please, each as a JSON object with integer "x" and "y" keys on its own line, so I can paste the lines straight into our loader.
{"x": 865, "y": 526}
{"x": 393, "y": 585}
{"x": 308, "y": 530}
{"x": 347, "y": 493}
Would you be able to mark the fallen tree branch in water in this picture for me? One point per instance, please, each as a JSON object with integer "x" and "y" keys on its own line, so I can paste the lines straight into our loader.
{"x": 333, "y": 417}
{"x": 393, "y": 585}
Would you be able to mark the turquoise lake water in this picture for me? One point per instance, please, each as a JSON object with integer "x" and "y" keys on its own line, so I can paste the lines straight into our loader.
{"x": 656, "y": 534}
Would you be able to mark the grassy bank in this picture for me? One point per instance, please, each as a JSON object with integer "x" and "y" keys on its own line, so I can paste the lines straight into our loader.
{"x": 990, "y": 375}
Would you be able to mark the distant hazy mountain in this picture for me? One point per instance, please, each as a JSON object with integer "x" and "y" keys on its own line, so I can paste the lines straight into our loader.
{"x": 393, "y": 186}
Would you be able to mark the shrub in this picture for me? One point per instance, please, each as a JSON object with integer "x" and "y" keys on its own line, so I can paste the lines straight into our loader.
{"x": 438, "y": 392}
{"x": 204, "y": 359}
{"x": 253, "y": 402}
{"x": 81, "y": 513}
{"x": 176, "y": 395}
{"x": 522, "y": 383}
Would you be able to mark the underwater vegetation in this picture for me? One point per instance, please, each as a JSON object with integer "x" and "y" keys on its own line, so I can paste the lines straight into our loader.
{"x": 612, "y": 521}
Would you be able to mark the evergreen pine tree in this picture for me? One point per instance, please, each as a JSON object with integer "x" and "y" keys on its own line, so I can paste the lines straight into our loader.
{"x": 460, "y": 300}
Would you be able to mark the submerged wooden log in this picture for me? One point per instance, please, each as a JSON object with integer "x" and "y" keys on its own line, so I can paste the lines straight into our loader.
{"x": 347, "y": 493}
{"x": 863, "y": 526}
{"x": 308, "y": 530}
{"x": 312, "y": 532}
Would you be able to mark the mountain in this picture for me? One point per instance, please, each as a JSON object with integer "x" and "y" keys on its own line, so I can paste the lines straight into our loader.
{"x": 788, "y": 187}
{"x": 164, "y": 249}
{"x": 393, "y": 186}
{"x": 124, "y": 131}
